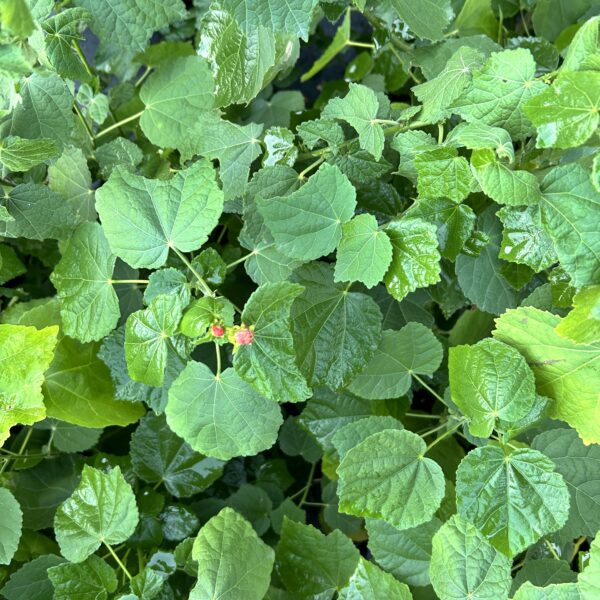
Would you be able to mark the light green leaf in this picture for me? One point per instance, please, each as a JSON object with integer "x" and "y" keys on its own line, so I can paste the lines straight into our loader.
{"x": 205, "y": 312}
{"x": 566, "y": 114}
{"x": 311, "y": 564}
{"x": 45, "y": 110}
{"x": 276, "y": 110}
{"x": 234, "y": 146}
{"x": 143, "y": 218}
{"x": 502, "y": 184}
{"x": 480, "y": 277}
{"x": 233, "y": 562}
{"x": 19, "y": 154}
{"x": 387, "y": 477}
{"x": 465, "y": 566}
{"x": 369, "y": 582}
{"x": 168, "y": 281}
{"x": 307, "y": 224}
{"x": 92, "y": 580}
{"x": 477, "y": 136}
{"x": 499, "y": 91}
{"x": 454, "y": 222}
{"x": 89, "y": 306}
{"x": 566, "y": 372}
{"x": 16, "y": 16}
{"x": 335, "y": 331}
{"x": 583, "y": 46}
{"x": 31, "y": 579}
{"x": 582, "y": 324}
{"x": 491, "y": 384}
{"x": 319, "y": 131}
{"x": 415, "y": 259}
{"x": 128, "y": 24}
{"x": 269, "y": 362}
{"x": 149, "y": 339}
{"x": 158, "y": 455}
{"x": 544, "y": 571}
{"x": 570, "y": 212}
{"x": 11, "y": 522}
{"x": 101, "y": 510}
{"x": 359, "y": 108}
{"x": 524, "y": 240}
{"x": 514, "y": 497}
{"x": 580, "y": 467}
{"x": 438, "y": 94}
{"x": 443, "y": 174}
{"x": 589, "y": 580}
{"x": 413, "y": 349}
{"x": 364, "y": 253}
{"x": 406, "y": 553}
{"x": 25, "y": 354}
{"x": 353, "y": 433}
{"x": 70, "y": 177}
{"x": 221, "y": 416}
{"x": 175, "y": 95}
{"x": 557, "y": 591}
{"x": 119, "y": 151}
{"x": 428, "y": 20}
{"x": 10, "y": 264}
{"x": 409, "y": 144}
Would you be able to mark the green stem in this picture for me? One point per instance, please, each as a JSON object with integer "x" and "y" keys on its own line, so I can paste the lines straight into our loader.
{"x": 360, "y": 44}
{"x": 84, "y": 121}
{"x": 141, "y": 281}
{"x": 118, "y": 561}
{"x": 422, "y": 416}
{"x": 446, "y": 434}
{"x": 308, "y": 484}
{"x": 551, "y": 548}
{"x": 82, "y": 58}
{"x": 310, "y": 167}
{"x": 203, "y": 285}
{"x": 218, "y": 352}
{"x": 428, "y": 388}
{"x": 576, "y": 547}
{"x": 119, "y": 124}
{"x": 440, "y": 133}
{"x": 142, "y": 77}
{"x": 239, "y": 261}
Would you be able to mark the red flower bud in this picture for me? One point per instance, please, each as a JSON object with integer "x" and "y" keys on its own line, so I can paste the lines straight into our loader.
{"x": 218, "y": 331}
{"x": 243, "y": 337}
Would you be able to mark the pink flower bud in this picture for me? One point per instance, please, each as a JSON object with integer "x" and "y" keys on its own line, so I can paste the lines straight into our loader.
{"x": 243, "y": 337}
{"x": 218, "y": 331}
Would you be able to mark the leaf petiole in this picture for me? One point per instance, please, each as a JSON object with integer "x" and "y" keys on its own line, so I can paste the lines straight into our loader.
{"x": 118, "y": 124}
{"x": 446, "y": 434}
{"x": 118, "y": 561}
{"x": 203, "y": 285}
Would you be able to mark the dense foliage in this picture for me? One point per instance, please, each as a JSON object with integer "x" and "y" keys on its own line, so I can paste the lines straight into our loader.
{"x": 300, "y": 299}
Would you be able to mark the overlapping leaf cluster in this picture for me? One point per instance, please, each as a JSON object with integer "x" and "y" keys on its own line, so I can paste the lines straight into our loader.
{"x": 296, "y": 310}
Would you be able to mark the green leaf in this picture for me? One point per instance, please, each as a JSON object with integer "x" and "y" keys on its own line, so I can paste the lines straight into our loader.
{"x": 479, "y": 276}
{"x": 37, "y": 213}
{"x": 580, "y": 467}
{"x": 463, "y": 558}
{"x": 62, "y": 31}
{"x": 499, "y": 91}
{"x": 92, "y": 580}
{"x": 369, "y": 582}
{"x": 582, "y": 324}
{"x": 387, "y": 477}
{"x": 514, "y": 497}
{"x": 427, "y": 21}
{"x": 205, "y": 312}
{"x": 19, "y": 154}
{"x": 147, "y": 583}
{"x": 364, "y": 253}
{"x": 570, "y": 209}
{"x": 11, "y": 523}
{"x": 312, "y": 564}
{"x": 566, "y": 114}
{"x": 454, "y": 222}
{"x": 158, "y": 455}
{"x": 443, "y": 174}
{"x": 415, "y": 259}
{"x": 31, "y": 580}
{"x": 504, "y": 185}
{"x": 477, "y": 136}
{"x": 359, "y": 108}
{"x": 307, "y": 224}
{"x": 233, "y": 562}
{"x": 71, "y": 438}
{"x": 129, "y": 24}
{"x": 438, "y": 94}
{"x": 335, "y": 331}
{"x": 491, "y": 384}
{"x": 10, "y": 265}
{"x": 119, "y": 151}
{"x": 101, "y": 510}
{"x": 355, "y": 432}
{"x": 589, "y": 580}
{"x": 70, "y": 177}
{"x": 168, "y": 281}
{"x": 544, "y": 571}
{"x": 89, "y": 306}
{"x": 143, "y": 218}
{"x": 557, "y": 591}
{"x": 25, "y": 354}
{"x": 234, "y": 146}
{"x": 175, "y": 95}
{"x": 45, "y": 110}
{"x": 524, "y": 240}
{"x": 564, "y": 371}
{"x": 16, "y": 16}
{"x": 406, "y": 553}
{"x": 413, "y": 349}
{"x": 149, "y": 339}
{"x": 269, "y": 362}
{"x": 221, "y": 416}
{"x": 583, "y": 47}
